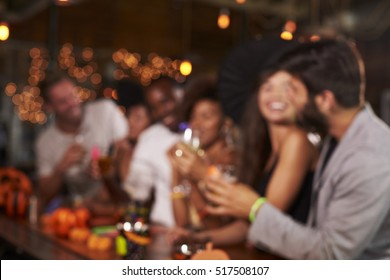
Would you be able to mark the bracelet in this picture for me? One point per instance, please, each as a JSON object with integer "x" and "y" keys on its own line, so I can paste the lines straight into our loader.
{"x": 180, "y": 191}
{"x": 255, "y": 207}
{"x": 177, "y": 195}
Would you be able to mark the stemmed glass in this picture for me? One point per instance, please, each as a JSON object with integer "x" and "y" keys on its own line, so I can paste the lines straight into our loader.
{"x": 191, "y": 139}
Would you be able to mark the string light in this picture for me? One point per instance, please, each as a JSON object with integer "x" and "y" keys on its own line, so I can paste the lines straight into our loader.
{"x": 84, "y": 71}
{"x": 155, "y": 66}
{"x": 29, "y": 103}
{"x": 185, "y": 68}
{"x": 87, "y": 54}
{"x": 10, "y": 89}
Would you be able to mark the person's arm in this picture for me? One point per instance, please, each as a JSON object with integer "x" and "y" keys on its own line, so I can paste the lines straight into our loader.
{"x": 182, "y": 166}
{"x": 140, "y": 178}
{"x": 296, "y": 157}
{"x": 188, "y": 163}
{"x": 354, "y": 214}
{"x": 50, "y": 185}
{"x": 233, "y": 233}
{"x": 123, "y": 153}
{"x": 195, "y": 198}
{"x": 179, "y": 199}
{"x": 232, "y": 199}
{"x": 117, "y": 122}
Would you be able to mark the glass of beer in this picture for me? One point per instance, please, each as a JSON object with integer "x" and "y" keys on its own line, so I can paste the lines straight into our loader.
{"x": 103, "y": 158}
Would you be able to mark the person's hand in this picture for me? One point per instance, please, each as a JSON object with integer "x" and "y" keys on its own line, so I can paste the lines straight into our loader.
{"x": 103, "y": 167}
{"x": 94, "y": 170}
{"x": 229, "y": 199}
{"x": 122, "y": 148}
{"x": 177, "y": 233}
{"x": 188, "y": 163}
{"x": 73, "y": 155}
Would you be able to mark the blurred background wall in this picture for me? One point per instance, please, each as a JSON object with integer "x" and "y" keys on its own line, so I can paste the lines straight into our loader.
{"x": 101, "y": 41}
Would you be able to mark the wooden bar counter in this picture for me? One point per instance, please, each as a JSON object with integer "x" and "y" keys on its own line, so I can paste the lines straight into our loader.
{"x": 44, "y": 245}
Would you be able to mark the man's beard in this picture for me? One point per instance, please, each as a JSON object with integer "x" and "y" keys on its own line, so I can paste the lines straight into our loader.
{"x": 311, "y": 119}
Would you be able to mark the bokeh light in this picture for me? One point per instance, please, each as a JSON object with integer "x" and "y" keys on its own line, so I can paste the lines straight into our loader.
{"x": 223, "y": 19}
{"x": 4, "y": 31}
{"x": 286, "y": 35}
{"x": 185, "y": 68}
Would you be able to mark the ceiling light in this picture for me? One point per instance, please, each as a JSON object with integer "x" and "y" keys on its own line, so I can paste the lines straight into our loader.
{"x": 4, "y": 31}
{"x": 224, "y": 19}
{"x": 185, "y": 67}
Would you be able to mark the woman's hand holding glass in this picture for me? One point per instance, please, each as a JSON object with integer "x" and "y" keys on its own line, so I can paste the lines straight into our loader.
{"x": 188, "y": 162}
{"x": 232, "y": 199}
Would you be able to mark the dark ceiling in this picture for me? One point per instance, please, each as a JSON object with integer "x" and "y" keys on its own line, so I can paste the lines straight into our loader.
{"x": 188, "y": 28}
{"x": 173, "y": 27}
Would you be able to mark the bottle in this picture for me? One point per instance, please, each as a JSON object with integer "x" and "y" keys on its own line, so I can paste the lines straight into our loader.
{"x": 120, "y": 241}
{"x": 33, "y": 210}
{"x": 133, "y": 231}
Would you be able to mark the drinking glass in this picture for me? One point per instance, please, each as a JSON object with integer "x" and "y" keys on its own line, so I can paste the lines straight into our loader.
{"x": 227, "y": 172}
{"x": 104, "y": 162}
{"x": 191, "y": 138}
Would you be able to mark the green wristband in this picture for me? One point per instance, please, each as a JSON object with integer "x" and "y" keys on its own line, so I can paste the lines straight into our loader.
{"x": 255, "y": 207}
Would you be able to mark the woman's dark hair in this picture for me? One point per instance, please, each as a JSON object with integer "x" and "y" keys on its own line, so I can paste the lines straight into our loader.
{"x": 202, "y": 88}
{"x": 255, "y": 140}
{"x": 332, "y": 65}
{"x": 325, "y": 65}
{"x": 130, "y": 94}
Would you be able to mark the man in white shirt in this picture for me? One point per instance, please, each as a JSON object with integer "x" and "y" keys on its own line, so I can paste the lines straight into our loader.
{"x": 65, "y": 148}
{"x": 150, "y": 167}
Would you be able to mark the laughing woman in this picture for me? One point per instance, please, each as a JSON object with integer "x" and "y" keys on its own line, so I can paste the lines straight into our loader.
{"x": 203, "y": 112}
{"x": 277, "y": 158}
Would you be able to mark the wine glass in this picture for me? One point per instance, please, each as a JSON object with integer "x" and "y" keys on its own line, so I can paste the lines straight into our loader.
{"x": 227, "y": 172}
{"x": 192, "y": 140}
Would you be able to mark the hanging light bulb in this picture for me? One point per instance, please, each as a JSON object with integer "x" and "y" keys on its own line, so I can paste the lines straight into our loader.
{"x": 286, "y": 35}
{"x": 290, "y": 26}
{"x": 240, "y": 1}
{"x": 185, "y": 67}
{"x": 4, "y": 31}
{"x": 224, "y": 19}
{"x": 315, "y": 38}
{"x": 63, "y": 2}
{"x": 288, "y": 30}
